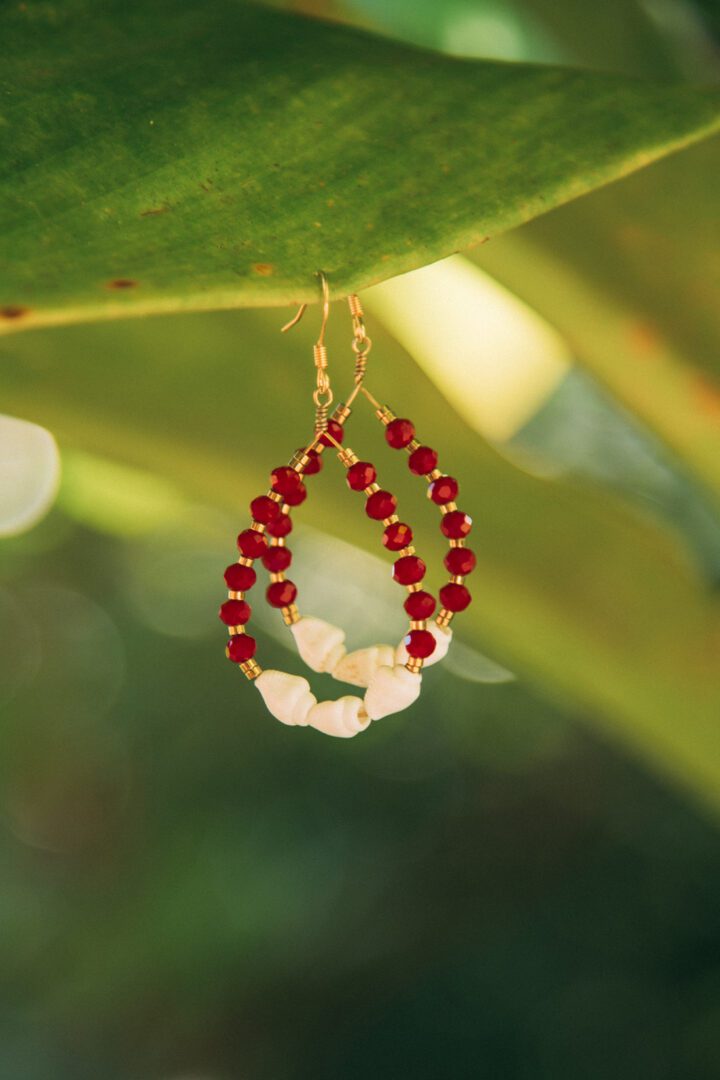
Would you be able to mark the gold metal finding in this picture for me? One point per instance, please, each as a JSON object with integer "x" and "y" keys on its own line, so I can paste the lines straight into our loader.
{"x": 322, "y": 395}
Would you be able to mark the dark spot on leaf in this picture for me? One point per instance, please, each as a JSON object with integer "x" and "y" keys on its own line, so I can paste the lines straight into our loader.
{"x": 13, "y": 311}
{"x": 264, "y": 269}
{"x": 122, "y": 283}
{"x": 157, "y": 210}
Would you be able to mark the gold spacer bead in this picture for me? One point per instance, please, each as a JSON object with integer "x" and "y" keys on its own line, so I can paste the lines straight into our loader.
{"x": 250, "y": 669}
{"x": 233, "y": 631}
{"x": 457, "y": 543}
{"x": 417, "y": 624}
{"x": 414, "y": 588}
{"x": 447, "y": 507}
{"x": 235, "y": 595}
{"x": 414, "y": 664}
{"x": 257, "y": 527}
{"x": 274, "y": 496}
{"x": 457, "y": 579}
{"x": 290, "y": 614}
{"x": 245, "y": 562}
{"x": 297, "y": 462}
{"x": 410, "y": 550}
{"x": 391, "y": 520}
{"x": 279, "y": 576}
{"x": 434, "y": 475}
{"x": 341, "y": 413}
{"x": 371, "y": 489}
{"x": 385, "y": 415}
{"x": 412, "y": 446}
{"x": 347, "y": 457}
{"x": 445, "y": 617}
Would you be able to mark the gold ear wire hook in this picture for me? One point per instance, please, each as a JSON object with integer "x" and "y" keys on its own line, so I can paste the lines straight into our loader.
{"x": 303, "y": 308}
{"x": 322, "y": 395}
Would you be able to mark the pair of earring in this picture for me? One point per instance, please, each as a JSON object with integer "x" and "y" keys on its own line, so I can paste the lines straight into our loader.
{"x": 390, "y": 675}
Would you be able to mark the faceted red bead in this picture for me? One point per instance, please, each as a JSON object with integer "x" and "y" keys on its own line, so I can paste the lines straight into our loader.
{"x": 443, "y": 490}
{"x": 277, "y": 559}
{"x": 399, "y": 433}
{"x": 241, "y": 647}
{"x": 397, "y": 536}
{"x": 281, "y": 593}
{"x": 454, "y": 597}
{"x": 280, "y": 526}
{"x": 420, "y": 605}
{"x": 314, "y": 465}
{"x": 234, "y": 612}
{"x": 264, "y": 509}
{"x": 361, "y": 475}
{"x": 240, "y": 578}
{"x": 334, "y": 429}
{"x": 419, "y": 644}
{"x": 380, "y": 505}
{"x": 456, "y": 525}
{"x": 297, "y": 496}
{"x": 409, "y": 570}
{"x": 423, "y": 460}
{"x": 460, "y": 561}
{"x": 251, "y": 543}
{"x": 285, "y": 480}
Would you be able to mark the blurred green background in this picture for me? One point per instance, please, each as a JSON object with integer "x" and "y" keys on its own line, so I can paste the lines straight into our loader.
{"x": 517, "y": 878}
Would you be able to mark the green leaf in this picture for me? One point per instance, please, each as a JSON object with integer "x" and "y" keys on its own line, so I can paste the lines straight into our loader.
{"x": 631, "y": 277}
{"x": 212, "y": 154}
{"x": 573, "y": 589}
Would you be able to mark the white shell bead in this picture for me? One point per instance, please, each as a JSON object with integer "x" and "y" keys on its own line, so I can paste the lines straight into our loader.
{"x": 319, "y": 643}
{"x": 443, "y": 637}
{"x": 342, "y": 718}
{"x": 391, "y": 689}
{"x": 358, "y": 667}
{"x": 287, "y": 697}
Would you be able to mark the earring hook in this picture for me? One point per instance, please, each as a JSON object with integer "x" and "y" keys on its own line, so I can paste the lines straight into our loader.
{"x": 303, "y": 307}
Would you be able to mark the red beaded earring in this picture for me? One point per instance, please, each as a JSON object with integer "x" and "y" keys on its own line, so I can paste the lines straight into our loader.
{"x": 391, "y": 674}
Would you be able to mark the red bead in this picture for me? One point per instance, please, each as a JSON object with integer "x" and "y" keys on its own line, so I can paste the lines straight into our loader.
{"x": 284, "y": 480}
{"x": 380, "y": 505}
{"x": 241, "y": 647}
{"x": 420, "y": 605}
{"x": 420, "y": 644}
{"x": 361, "y": 475}
{"x": 251, "y": 543}
{"x": 281, "y": 593}
{"x": 423, "y": 460}
{"x": 443, "y": 490}
{"x": 280, "y": 526}
{"x": 454, "y": 597}
{"x": 399, "y": 433}
{"x": 456, "y": 525}
{"x": 277, "y": 559}
{"x": 314, "y": 465}
{"x": 460, "y": 561}
{"x": 409, "y": 570}
{"x": 240, "y": 578}
{"x": 264, "y": 509}
{"x": 234, "y": 612}
{"x": 334, "y": 429}
{"x": 397, "y": 536}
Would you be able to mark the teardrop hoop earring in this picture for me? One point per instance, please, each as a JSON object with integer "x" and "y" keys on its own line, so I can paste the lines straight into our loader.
{"x": 391, "y": 674}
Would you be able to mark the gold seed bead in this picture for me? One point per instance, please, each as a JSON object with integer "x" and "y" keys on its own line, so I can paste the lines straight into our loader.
{"x": 235, "y": 630}
{"x": 457, "y": 543}
{"x": 414, "y": 664}
{"x": 250, "y": 669}
{"x": 298, "y": 462}
{"x": 410, "y": 550}
{"x": 414, "y": 588}
{"x": 385, "y": 415}
{"x": 290, "y": 614}
{"x": 434, "y": 475}
{"x": 245, "y": 562}
{"x": 371, "y": 489}
{"x": 347, "y": 457}
{"x": 417, "y": 624}
{"x": 445, "y": 617}
{"x": 412, "y": 446}
{"x": 341, "y": 413}
{"x": 235, "y": 595}
{"x": 391, "y": 520}
{"x": 279, "y": 576}
{"x": 447, "y": 507}
{"x": 257, "y": 527}
{"x": 457, "y": 579}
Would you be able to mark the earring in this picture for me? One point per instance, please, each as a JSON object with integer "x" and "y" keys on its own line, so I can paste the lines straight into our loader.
{"x": 391, "y": 674}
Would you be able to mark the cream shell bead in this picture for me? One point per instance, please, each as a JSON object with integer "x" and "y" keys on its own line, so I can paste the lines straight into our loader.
{"x": 319, "y": 643}
{"x": 342, "y": 718}
{"x": 443, "y": 637}
{"x": 358, "y": 667}
{"x": 391, "y": 689}
{"x": 287, "y": 697}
